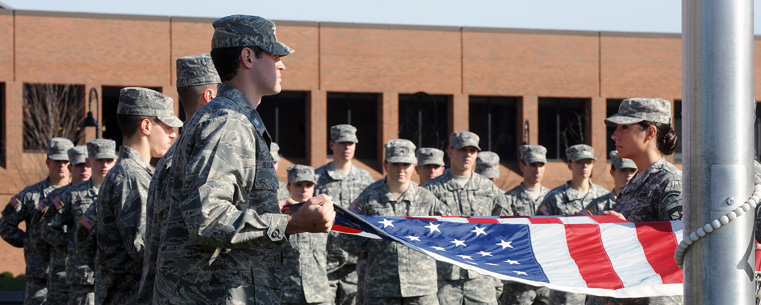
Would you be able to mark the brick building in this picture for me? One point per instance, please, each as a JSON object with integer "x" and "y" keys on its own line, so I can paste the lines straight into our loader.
{"x": 419, "y": 82}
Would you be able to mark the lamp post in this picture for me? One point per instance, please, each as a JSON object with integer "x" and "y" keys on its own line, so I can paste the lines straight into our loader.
{"x": 90, "y": 119}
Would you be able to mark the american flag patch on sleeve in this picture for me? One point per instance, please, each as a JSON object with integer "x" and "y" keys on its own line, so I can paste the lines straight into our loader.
{"x": 57, "y": 203}
{"x": 15, "y": 202}
{"x": 43, "y": 207}
{"x": 86, "y": 222}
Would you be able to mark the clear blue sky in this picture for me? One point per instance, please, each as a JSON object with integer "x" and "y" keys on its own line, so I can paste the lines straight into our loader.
{"x": 660, "y": 16}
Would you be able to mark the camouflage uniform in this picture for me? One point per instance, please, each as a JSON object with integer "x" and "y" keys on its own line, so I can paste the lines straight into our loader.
{"x": 282, "y": 190}
{"x": 344, "y": 188}
{"x": 606, "y": 203}
{"x": 27, "y": 206}
{"x": 520, "y": 200}
{"x": 563, "y": 200}
{"x": 397, "y": 272}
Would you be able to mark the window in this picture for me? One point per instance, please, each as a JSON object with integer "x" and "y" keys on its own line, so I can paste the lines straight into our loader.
{"x": 109, "y": 104}
{"x": 494, "y": 120}
{"x": 361, "y": 111}
{"x": 757, "y": 134}
{"x": 612, "y": 108}
{"x": 424, "y": 119}
{"x": 3, "y": 121}
{"x": 52, "y": 110}
{"x": 562, "y": 123}
{"x": 284, "y": 115}
{"x": 678, "y": 129}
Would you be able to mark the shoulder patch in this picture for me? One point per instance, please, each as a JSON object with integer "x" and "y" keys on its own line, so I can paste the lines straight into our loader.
{"x": 15, "y": 202}
{"x": 57, "y": 203}
{"x": 43, "y": 207}
{"x": 86, "y": 222}
{"x": 354, "y": 207}
{"x": 544, "y": 210}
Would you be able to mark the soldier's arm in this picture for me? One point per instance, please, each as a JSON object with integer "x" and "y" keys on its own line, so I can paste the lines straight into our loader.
{"x": 500, "y": 205}
{"x": 12, "y": 215}
{"x": 85, "y": 236}
{"x": 130, "y": 195}
{"x": 547, "y": 207}
{"x": 53, "y": 221}
{"x": 209, "y": 203}
{"x": 671, "y": 202}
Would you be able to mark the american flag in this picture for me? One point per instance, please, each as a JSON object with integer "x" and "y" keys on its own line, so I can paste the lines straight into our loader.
{"x": 595, "y": 255}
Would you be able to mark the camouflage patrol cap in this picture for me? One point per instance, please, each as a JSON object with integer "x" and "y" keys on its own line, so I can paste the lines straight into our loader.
{"x": 400, "y": 151}
{"x": 487, "y": 164}
{"x": 77, "y": 154}
{"x": 247, "y": 31}
{"x": 101, "y": 149}
{"x": 580, "y": 152}
{"x": 635, "y": 110}
{"x": 196, "y": 70}
{"x": 343, "y": 133}
{"x": 533, "y": 154}
{"x": 462, "y": 139}
{"x": 275, "y": 152}
{"x": 301, "y": 173}
{"x": 146, "y": 102}
{"x": 619, "y": 163}
{"x": 58, "y": 149}
{"x": 427, "y": 155}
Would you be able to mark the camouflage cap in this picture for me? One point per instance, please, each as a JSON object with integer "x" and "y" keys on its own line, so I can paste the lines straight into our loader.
{"x": 247, "y": 31}
{"x": 580, "y": 152}
{"x": 58, "y": 149}
{"x": 427, "y": 155}
{"x": 146, "y": 102}
{"x": 275, "y": 152}
{"x": 635, "y": 110}
{"x": 487, "y": 164}
{"x": 101, "y": 149}
{"x": 400, "y": 151}
{"x": 77, "y": 154}
{"x": 619, "y": 163}
{"x": 533, "y": 154}
{"x": 462, "y": 139}
{"x": 343, "y": 133}
{"x": 301, "y": 173}
{"x": 196, "y": 70}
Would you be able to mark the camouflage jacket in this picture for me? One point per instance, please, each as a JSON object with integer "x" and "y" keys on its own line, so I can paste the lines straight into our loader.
{"x": 121, "y": 214}
{"x": 478, "y": 197}
{"x": 86, "y": 236}
{"x": 57, "y": 260}
{"x": 521, "y": 202}
{"x": 344, "y": 188}
{"x": 26, "y": 207}
{"x": 602, "y": 204}
{"x": 395, "y": 270}
{"x": 305, "y": 278}
{"x": 282, "y": 191}
{"x": 221, "y": 203}
{"x": 563, "y": 200}
{"x": 652, "y": 195}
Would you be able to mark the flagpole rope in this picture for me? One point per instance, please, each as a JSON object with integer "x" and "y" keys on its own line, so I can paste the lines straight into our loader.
{"x": 749, "y": 205}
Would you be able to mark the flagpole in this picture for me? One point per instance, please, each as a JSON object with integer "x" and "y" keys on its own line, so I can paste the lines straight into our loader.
{"x": 718, "y": 111}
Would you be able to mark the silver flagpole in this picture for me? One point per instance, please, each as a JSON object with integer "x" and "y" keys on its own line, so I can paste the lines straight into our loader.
{"x": 717, "y": 91}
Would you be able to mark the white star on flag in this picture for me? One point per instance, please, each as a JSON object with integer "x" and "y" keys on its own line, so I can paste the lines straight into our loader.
{"x": 415, "y": 238}
{"x": 505, "y": 244}
{"x": 512, "y": 262}
{"x": 439, "y": 248}
{"x": 492, "y": 264}
{"x": 466, "y": 257}
{"x": 483, "y": 253}
{"x": 520, "y": 273}
{"x": 457, "y": 242}
{"x": 433, "y": 227}
{"x": 479, "y": 231}
{"x": 387, "y": 223}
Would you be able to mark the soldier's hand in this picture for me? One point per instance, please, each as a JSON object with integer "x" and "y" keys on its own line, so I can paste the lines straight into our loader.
{"x": 617, "y": 214}
{"x": 315, "y": 216}
{"x": 288, "y": 206}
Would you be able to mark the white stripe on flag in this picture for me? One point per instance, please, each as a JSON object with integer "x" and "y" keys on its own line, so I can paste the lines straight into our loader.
{"x": 578, "y": 220}
{"x": 551, "y": 251}
{"x": 627, "y": 255}
{"x": 677, "y": 227}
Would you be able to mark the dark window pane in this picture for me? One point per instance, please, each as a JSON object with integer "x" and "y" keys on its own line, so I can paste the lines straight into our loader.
{"x": 284, "y": 115}
{"x": 3, "y": 121}
{"x": 108, "y": 107}
{"x": 52, "y": 110}
{"x": 612, "y": 108}
{"x": 423, "y": 119}
{"x": 494, "y": 120}
{"x": 678, "y": 128}
{"x": 757, "y": 133}
{"x": 562, "y": 123}
{"x": 361, "y": 111}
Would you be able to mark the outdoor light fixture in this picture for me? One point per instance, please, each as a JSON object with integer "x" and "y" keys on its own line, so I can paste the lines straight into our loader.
{"x": 90, "y": 119}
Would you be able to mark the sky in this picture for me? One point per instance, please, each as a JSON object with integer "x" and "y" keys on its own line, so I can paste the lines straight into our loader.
{"x": 652, "y": 16}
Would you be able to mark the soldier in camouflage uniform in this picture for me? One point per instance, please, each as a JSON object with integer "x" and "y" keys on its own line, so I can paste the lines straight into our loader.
{"x": 465, "y": 193}
{"x": 487, "y": 165}
{"x": 305, "y": 278}
{"x": 69, "y": 209}
{"x": 282, "y": 190}
{"x": 146, "y": 118}
{"x": 222, "y": 230}
{"x": 524, "y": 199}
{"x": 430, "y": 164}
{"x": 25, "y": 207}
{"x": 197, "y": 84}
{"x": 622, "y": 170}
{"x": 344, "y": 181}
{"x": 399, "y": 275}
{"x": 58, "y": 288}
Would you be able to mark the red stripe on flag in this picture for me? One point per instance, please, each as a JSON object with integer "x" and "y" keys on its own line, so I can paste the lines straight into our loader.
{"x": 341, "y": 228}
{"x": 539, "y": 220}
{"x": 659, "y": 243}
{"x": 608, "y": 219}
{"x": 585, "y": 247}
{"x": 482, "y": 220}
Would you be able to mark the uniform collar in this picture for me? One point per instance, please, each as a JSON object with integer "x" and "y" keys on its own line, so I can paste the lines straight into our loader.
{"x": 246, "y": 108}
{"x": 126, "y": 152}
